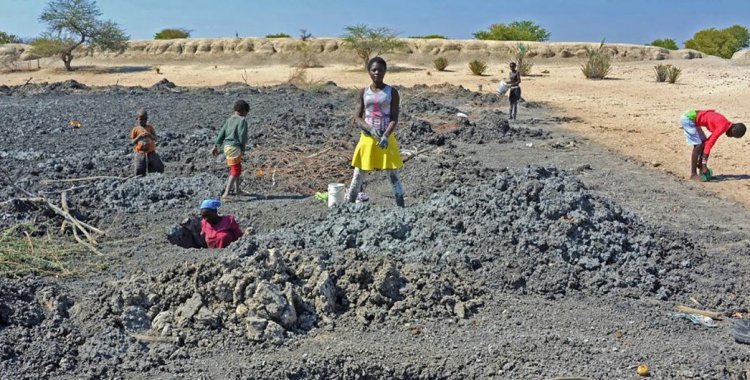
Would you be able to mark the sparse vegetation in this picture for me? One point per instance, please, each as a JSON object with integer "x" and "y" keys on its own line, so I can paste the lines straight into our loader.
{"x": 369, "y": 41}
{"x": 172, "y": 33}
{"x": 666, "y": 43}
{"x": 304, "y": 35}
{"x": 720, "y": 42}
{"x": 431, "y": 37}
{"x": 278, "y": 35}
{"x": 673, "y": 73}
{"x": 299, "y": 78}
{"x": 523, "y": 65}
{"x": 22, "y": 253}
{"x": 71, "y": 23}
{"x": 661, "y": 72}
{"x": 477, "y": 67}
{"x": 598, "y": 63}
{"x": 440, "y": 63}
{"x": 307, "y": 57}
{"x": 524, "y": 30}
{"x": 6, "y": 38}
{"x": 8, "y": 60}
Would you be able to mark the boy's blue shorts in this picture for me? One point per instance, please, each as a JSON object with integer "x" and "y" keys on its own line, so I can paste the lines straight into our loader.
{"x": 691, "y": 131}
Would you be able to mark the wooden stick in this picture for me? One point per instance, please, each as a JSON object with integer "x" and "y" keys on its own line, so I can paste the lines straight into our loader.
{"x": 711, "y": 314}
{"x": 35, "y": 199}
{"x": 417, "y": 154}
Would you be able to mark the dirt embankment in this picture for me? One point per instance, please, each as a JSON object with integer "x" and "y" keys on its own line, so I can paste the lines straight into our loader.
{"x": 333, "y": 50}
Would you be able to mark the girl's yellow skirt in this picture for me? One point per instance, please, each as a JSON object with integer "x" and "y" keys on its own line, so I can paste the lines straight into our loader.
{"x": 369, "y": 156}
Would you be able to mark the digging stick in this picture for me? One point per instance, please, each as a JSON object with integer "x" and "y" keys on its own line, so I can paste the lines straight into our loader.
{"x": 711, "y": 314}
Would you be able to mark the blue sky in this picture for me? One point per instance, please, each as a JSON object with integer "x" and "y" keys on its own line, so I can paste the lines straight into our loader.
{"x": 626, "y": 21}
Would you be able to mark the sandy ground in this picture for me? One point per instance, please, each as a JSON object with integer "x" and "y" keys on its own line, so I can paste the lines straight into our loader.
{"x": 629, "y": 113}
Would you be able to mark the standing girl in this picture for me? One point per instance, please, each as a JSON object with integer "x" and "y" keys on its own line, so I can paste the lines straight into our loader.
{"x": 377, "y": 117}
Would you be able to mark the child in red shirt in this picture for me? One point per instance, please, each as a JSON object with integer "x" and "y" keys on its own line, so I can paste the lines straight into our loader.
{"x": 218, "y": 231}
{"x": 717, "y": 124}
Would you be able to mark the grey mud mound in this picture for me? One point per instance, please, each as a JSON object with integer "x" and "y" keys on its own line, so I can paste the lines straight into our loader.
{"x": 267, "y": 298}
{"x": 537, "y": 231}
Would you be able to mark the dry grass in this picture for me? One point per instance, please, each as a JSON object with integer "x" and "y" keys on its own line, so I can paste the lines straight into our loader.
{"x": 477, "y": 67}
{"x": 23, "y": 254}
{"x": 303, "y": 169}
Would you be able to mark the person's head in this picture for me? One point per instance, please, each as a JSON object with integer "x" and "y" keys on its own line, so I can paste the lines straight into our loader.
{"x": 737, "y": 130}
{"x": 512, "y": 66}
{"x": 377, "y": 67}
{"x": 210, "y": 210}
{"x": 142, "y": 117}
{"x": 241, "y": 107}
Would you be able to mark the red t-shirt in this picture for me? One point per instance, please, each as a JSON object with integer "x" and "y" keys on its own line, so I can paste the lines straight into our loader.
{"x": 714, "y": 122}
{"x": 221, "y": 234}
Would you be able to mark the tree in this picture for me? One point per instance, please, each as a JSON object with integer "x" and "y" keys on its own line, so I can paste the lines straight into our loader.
{"x": 741, "y": 34}
{"x": 71, "y": 23}
{"x": 524, "y": 30}
{"x": 720, "y": 42}
{"x": 172, "y": 33}
{"x": 666, "y": 43}
{"x": 369, "y": 41}
{"x": 6, "y": 38}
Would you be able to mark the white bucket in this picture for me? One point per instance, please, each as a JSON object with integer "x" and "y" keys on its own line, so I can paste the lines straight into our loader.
{"x": 336, "y": 193}
{"x": 502, "y": 88}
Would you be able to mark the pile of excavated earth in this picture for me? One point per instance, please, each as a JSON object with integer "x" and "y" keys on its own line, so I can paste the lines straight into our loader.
{"x": 469, "y": 237}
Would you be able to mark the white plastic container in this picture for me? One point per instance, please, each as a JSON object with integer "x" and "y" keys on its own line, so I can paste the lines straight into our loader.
{"x": 336, "y": 193}
{"x": 502, "y": 88}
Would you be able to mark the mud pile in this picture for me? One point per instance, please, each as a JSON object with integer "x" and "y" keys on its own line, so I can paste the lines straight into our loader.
{"x": 537, "y": 231}
{"x": 269, "y": 297}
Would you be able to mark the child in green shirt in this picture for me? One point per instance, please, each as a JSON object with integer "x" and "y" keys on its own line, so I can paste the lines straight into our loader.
{"x": 233, "y": 136}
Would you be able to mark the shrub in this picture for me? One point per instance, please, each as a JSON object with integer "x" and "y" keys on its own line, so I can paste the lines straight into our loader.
{"x": 8, "y": 60}
{"x": 368, "y": 41}
{"x": 720, "y": 42}
{"x": 304, "y": 35}
{"x": 598, "y": 63}
{"x": 524, "y": 30}
{"x": 666, "y": 43}
{"x": 307, "y": 57}
{"x": 673, "y": 72}
{"x": 431, "y": 37}
{"x": 172, "y": 33}
{"x": 477, "y": 67}
{"x": 278, "y": 35}
{"x": 661, "y": 72}
{"x": 523, "y": 65}
{"x": 6, "y": 38}
{"x": 71, "y": 23}
{"x": 440, "y": 63}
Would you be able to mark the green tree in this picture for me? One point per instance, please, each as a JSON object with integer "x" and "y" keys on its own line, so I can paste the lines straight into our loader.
{"x": 172, "y": 33}
{"x": 72, "y": 23}
{"x": 6, "y": 38}
{"x": 524, "y": 30}
{"x": 369, "y": 41}
{"x": 720, "y": 42}
{"x": 666, "y": 43}
{"x": 741, "y": 34}
{"x": 278, "y": 35}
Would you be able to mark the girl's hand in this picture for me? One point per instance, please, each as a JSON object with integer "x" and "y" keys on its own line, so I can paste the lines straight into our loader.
{"x": 215, "y": 151}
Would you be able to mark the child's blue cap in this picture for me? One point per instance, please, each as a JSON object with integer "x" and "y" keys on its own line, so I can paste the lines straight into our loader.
{"x": 211, "y": 204}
